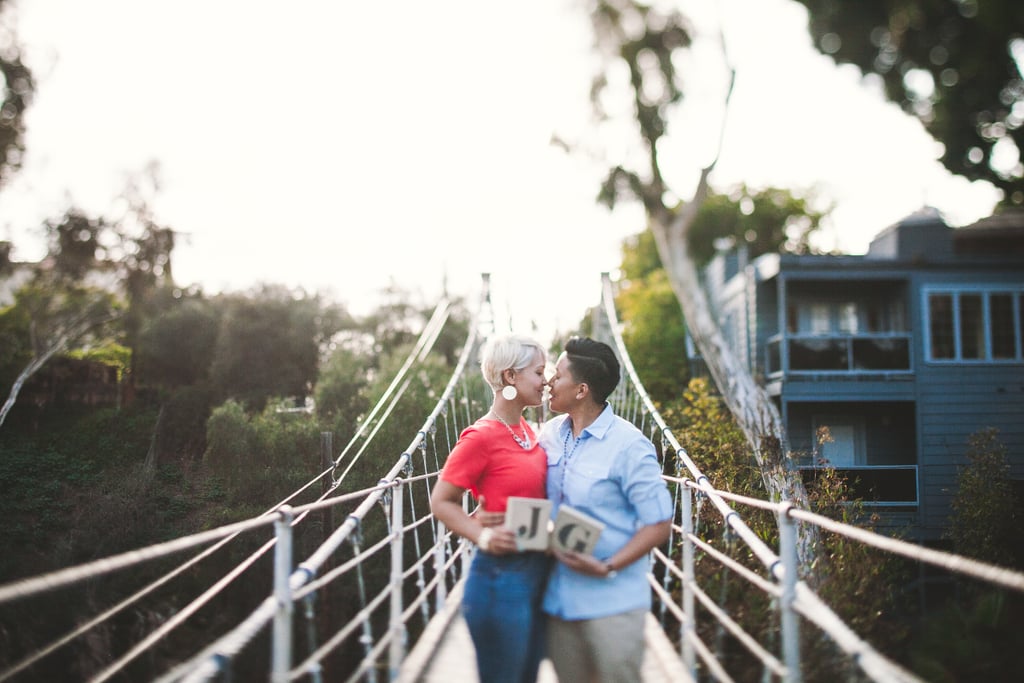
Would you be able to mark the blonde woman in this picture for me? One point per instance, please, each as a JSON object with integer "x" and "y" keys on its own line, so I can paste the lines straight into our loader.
{"x": 496, "y": 457}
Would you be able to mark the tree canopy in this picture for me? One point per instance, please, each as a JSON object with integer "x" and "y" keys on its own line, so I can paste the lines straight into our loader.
{"x": 954, "y": 64}
{"x": 18, "y": 87}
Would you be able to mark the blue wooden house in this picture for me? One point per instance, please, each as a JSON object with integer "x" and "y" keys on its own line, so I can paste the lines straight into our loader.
{"x": 899, "y": 355}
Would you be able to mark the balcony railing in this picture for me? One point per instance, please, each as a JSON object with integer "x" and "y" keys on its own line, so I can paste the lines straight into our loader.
{"x": 875, "y": 485}
{"x": 853, "y": 353}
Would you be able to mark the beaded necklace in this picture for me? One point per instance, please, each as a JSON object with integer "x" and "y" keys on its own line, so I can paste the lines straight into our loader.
{"x": 575, "y": 443}
{"x": 524, "y": 443}
{"x": 567, "y": 455}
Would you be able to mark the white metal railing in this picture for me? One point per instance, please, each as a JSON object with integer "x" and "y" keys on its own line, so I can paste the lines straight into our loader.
{"x": 404, "y": 579}
{"x": 790, "y": 594}
{"x": 402, "y": 496}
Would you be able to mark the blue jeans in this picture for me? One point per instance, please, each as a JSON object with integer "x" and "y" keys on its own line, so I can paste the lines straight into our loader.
{"x": 501, "y": 606}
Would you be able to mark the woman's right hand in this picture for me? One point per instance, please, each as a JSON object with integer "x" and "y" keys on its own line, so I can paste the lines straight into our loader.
{"x": 502, "y": 540}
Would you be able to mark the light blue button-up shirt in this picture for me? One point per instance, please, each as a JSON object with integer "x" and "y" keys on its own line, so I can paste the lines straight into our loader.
{"x": 612, "y": 474}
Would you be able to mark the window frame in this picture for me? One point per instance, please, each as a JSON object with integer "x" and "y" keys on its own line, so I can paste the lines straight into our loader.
{"x": 985, "y": 292}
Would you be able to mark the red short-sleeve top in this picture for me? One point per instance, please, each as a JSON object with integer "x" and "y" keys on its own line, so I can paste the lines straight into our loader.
{"x": 488, "y": 461}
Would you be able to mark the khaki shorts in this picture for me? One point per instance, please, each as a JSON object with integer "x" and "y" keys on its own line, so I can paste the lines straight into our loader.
{"x": 608, "y": 649}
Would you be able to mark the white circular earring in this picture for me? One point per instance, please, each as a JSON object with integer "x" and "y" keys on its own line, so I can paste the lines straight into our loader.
{"x": 509, "y": 392}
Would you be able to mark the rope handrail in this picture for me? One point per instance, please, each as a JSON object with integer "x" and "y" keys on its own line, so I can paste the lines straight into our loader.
{"x": 71, "y": 575}
{"x": 426, "y": 340}
{"x": 1001, "y": 576}
{"x": 304, "y": 579}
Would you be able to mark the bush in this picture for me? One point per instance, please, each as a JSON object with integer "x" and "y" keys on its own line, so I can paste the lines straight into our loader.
{"x": 985, "y": 523}
{"x": 229, "y": 442}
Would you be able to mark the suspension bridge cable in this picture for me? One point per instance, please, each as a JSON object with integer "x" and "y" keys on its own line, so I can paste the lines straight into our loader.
{"x": 426, "y": 340}
{"x": 203, "y": 664}
{"x": 71, "y": 575}
{"x": 1007, "y": 578}
{"x": 812, "y": 606}
{"x": 439, "y": 317}
{"x": 430, "y": 333}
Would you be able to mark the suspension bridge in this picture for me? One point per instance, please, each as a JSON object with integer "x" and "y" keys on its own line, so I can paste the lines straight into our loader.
{"x": 376, "y": 597}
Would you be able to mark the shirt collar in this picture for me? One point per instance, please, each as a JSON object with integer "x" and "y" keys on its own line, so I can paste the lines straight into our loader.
{"x": 598, "y": 428}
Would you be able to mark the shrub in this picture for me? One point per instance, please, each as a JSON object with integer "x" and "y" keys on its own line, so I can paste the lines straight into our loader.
{"x": 985, "y": 523}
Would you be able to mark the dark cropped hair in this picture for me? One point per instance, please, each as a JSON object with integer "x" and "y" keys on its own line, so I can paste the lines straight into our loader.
{"x": 593, "y": 363}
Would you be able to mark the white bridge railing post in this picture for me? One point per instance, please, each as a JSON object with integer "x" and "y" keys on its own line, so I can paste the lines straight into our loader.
{"x": 790, "y": 623}
{"x": 439, "y": 571}
{"x": 689, "y": 612}
{"x": 397, "y": 626}
{"x": 281, "y": 656}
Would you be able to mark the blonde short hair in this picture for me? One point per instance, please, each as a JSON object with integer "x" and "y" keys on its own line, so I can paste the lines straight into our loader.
{"x": 509, "y": 352}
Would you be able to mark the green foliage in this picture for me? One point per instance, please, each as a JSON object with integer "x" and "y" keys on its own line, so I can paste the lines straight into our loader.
{"x": 655, "y": 335}
{"x": 109, "y": 353}
{"x": 712, "y": 438}
{"x": 862, "y": 585}
{"x": 340, "y": 392}
{"x": 76, "y": 242}
{"x": 269, "y": 344}
{"x": 951, "y": 64}
{"x": 419, "y": 395}
{"x": 640, "y": 257}
{"x": 768, "y": 221}
{"x": 50, "y": 481}
{"x": 230, "y": 439}
{"x": 19, "y": 88}
{"x": 980, "y": 641}
{"x": 987, "y": 517}
{"x": 176, "y": 346}
{"x": 260, "y": 458}
{"x": 15, "y": 342}
{"x": 181, "y": 434}
{"x": 649, "y": 50}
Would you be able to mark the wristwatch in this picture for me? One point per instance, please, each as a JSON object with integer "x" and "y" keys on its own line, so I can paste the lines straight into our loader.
{"x": 610, "y": 569}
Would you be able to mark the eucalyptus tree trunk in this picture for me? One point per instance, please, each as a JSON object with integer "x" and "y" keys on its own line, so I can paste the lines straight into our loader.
{"x": 58, "y": 343}
{"x": 647, "y": 41}
{"x": 749, "y": 403}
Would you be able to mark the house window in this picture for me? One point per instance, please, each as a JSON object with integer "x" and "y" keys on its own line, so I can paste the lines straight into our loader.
{"x": 1002, "y": 326}
{"x": 974, "y": 324}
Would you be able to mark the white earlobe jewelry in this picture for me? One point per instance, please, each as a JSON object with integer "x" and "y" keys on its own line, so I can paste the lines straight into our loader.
{"x": 509, "y": 392}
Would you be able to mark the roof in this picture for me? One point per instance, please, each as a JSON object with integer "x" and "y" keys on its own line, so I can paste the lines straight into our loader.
{"x": 1000, "y": 233}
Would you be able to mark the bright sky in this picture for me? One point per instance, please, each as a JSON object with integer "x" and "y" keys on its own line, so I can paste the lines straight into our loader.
{"x": 347, "y": 146}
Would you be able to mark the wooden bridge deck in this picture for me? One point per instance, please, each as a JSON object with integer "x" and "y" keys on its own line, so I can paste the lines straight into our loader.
{"x": 444, "y": 652}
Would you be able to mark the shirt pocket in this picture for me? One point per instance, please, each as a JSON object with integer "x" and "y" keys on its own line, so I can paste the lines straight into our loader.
{"x": 589, "y": 484}
{"x": 554, "y": 457}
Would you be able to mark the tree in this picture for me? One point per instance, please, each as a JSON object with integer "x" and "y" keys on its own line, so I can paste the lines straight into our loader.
{"x": 56, "y": 318}
{"x": 74, "y": 289}
{"x": 18, "y": 89}
{"x": 956, "y": 66}
{"x": 768, "y": 221}
{"x": 64, "y": 301}
{"x": 270, "y": 344}
{"x": 176, "y": 347}
{"x": 340, "y": 397}
{"x": 656, "y": 334}
{"x": 648, "y": 40}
